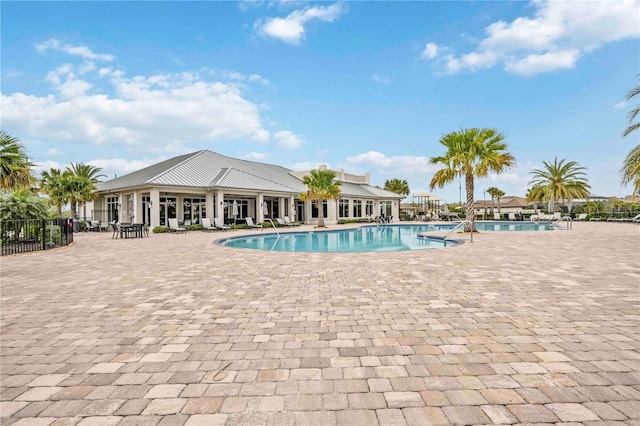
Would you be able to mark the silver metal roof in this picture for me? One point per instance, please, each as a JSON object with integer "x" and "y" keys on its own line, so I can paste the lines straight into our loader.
{"x": 210, "y": 170}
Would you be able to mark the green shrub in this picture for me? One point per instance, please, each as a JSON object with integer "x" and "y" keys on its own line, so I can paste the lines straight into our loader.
{"x": 160, "y": 230}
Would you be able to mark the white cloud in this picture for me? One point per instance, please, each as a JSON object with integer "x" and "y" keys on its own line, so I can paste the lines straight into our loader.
{"x": 81, "y": 51}
{"x": 620, "y": 105}
{"x": 256, "y": 156}
{"x": 307, "y": 165}
{"x": 558, "y": 34}
{"x": 380, "y": 79}
{"x": 121, "y": 166}
{"x": 133, "y": 111}
{"x": 396, "y": 163}
{"x": 53, "y": 151}
{"x": 430, "y": 51}
{"x": 292, "y": 28}
{"x": 287, "y": 140}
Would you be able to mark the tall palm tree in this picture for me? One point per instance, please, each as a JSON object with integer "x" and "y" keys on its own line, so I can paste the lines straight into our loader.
{"x": 493, "y": 191}
{"x": 631, "y": 170}
{"x": 559, "y": 181}
{"x": 15, "y": 167}
{"x": 321, "y": 186}
{"x": 398, "y": 186}
{"x": 634, "y": 112}
{"x": 471, "y": 153}
{"x": 631, "y": 166}
{"x": 80, "y": 182}
{"x": 499, "y": 194}
{"x": 52, "y": 183}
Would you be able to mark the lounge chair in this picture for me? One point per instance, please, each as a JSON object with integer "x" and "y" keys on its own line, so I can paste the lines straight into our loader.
{"x": 581, "y": 217}
{"x": 93, "y": 225}
{"x": 206, "y": 225}
{"x": 219, "y": 224}
{"x": 496, "y": 216}
{"x": 282, "y": 222}
{"x": 250, "y": 223}
{"x": 288, "y": 221}
{"x": 635, "y": 219}
{"x": 173, "y": 227}
{"x": 556, "y": 215}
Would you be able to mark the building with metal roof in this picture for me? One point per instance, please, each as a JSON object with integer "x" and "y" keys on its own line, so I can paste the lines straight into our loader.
{"x": 203, "y": 184}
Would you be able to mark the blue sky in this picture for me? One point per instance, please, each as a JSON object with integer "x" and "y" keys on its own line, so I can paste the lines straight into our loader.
{"x": 361, "y": 86}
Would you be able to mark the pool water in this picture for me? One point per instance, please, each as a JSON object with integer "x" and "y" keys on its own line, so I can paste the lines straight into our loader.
{"x": 367, "y": 238}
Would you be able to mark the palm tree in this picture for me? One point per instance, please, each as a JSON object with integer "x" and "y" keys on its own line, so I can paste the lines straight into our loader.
{"x": 631, "y": 170}
{"x": 80, "y": 182}
{"x": 15, "y": 167}
{"x": 493, "y": 191}
{"x": 499, "y": 194}
{"x": 634, "y": 112}
{"x": 559, "y": 181}
{"x": 22, "y": 205}
{"x": 398, "y": 186}
{"x": 631, "y": 166}
{"x": 471, "y": 153}
{"x": 321, "y": 186}
{"x": 52, "y": 183}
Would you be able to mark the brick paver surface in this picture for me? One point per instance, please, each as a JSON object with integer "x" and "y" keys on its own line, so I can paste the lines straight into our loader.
{"x": 532, "y": 327}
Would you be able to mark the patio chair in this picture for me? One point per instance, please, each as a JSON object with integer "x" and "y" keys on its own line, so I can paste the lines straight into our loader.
{"x": 219, "y": 224}
{"x": 93, "y": 225}
{"x": 581, "y": 217}
{"x": 206, "y": 225}
{"x": 282, "y": 222}
{"x": 250, "y": 223}
{"x": 173, "y": 227}
{"x": 116, "y": 229}
{"x": 288, "y": 221}
{"x": 512, "y": 216}
{"x": 635, "y": 219}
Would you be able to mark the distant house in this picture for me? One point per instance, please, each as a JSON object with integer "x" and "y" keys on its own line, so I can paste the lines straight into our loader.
{"x": 207, "y": 184}
{"x": 508, "y": 204}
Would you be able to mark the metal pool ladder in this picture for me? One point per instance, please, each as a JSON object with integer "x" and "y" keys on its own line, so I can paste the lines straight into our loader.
{"x": 556, "y": 223}
{"x": 274, "y": 226}
{"x": 444, "y": 239}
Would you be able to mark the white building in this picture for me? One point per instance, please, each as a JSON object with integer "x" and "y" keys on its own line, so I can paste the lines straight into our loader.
{"x": 206, "y": 184}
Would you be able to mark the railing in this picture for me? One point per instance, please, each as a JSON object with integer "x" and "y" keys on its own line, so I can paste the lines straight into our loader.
{"x": 444, "y": 239}
{"x": 272, "y": 224}
{"x": 24, "y": 236}
{"x": 568, "y": 219}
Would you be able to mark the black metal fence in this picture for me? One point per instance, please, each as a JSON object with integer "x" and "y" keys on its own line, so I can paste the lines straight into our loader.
{"x": 23, "y": 236}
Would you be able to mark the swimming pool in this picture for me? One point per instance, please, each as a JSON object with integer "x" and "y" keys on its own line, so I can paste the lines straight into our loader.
{"x": 367, "y": 238}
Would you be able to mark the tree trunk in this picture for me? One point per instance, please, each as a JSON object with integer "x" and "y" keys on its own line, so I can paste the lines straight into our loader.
{"x": 319, "y": 204}
{"x": 74, "y": 209}
{"x": 492, "y": 205}
{"x": 471, "y": 211}
{"x": 498, "y": 205}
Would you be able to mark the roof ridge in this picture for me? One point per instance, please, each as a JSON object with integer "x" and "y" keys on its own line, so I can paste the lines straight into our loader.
{"x": 224, "y": 171}
{"x": 268, "y": 180}
{"x": 195, "y": 154}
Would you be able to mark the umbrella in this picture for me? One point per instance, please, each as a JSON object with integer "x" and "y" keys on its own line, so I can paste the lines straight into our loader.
{"x": 130, "y": 203}
{"x": 235, "y": 210}
{"x": 293, "y": 211}
{"x": 265, "y": 209}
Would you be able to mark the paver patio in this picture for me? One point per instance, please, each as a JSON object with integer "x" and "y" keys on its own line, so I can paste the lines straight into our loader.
{"x": 521, "y": 327}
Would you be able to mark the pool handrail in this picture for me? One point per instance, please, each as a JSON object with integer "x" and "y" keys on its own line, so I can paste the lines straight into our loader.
{"x": 274, "y": 226}
{"x": 444, "y": 239}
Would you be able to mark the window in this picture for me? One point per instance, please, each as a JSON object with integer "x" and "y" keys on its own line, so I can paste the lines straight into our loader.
{"x": 385, "y": 208}
{"x": 112, "y": 208}
{"x": 357, "y": 208}
{"x": 343, "y": 208}
{"x": 193, "y": 209}
{"x": 369, "y": 208}
{"x": 314, "y": 209}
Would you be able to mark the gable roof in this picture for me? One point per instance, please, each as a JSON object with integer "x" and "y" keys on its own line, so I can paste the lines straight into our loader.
{"x": 210, "y": 170}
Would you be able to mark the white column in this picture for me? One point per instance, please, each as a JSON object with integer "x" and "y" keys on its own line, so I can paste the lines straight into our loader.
{"x": 209, "y": 206}
{"x": 259, "y": 201}
{"x": 220, "y": 205}
{"x": 282, "y": 208}
{"x": 155, "y": 208}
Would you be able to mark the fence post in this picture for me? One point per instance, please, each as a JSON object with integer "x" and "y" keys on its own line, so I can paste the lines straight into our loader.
{"x": 44, "y": 234}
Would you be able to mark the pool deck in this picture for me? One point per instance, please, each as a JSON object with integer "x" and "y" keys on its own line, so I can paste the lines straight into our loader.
{"x": 516, "y": 327}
